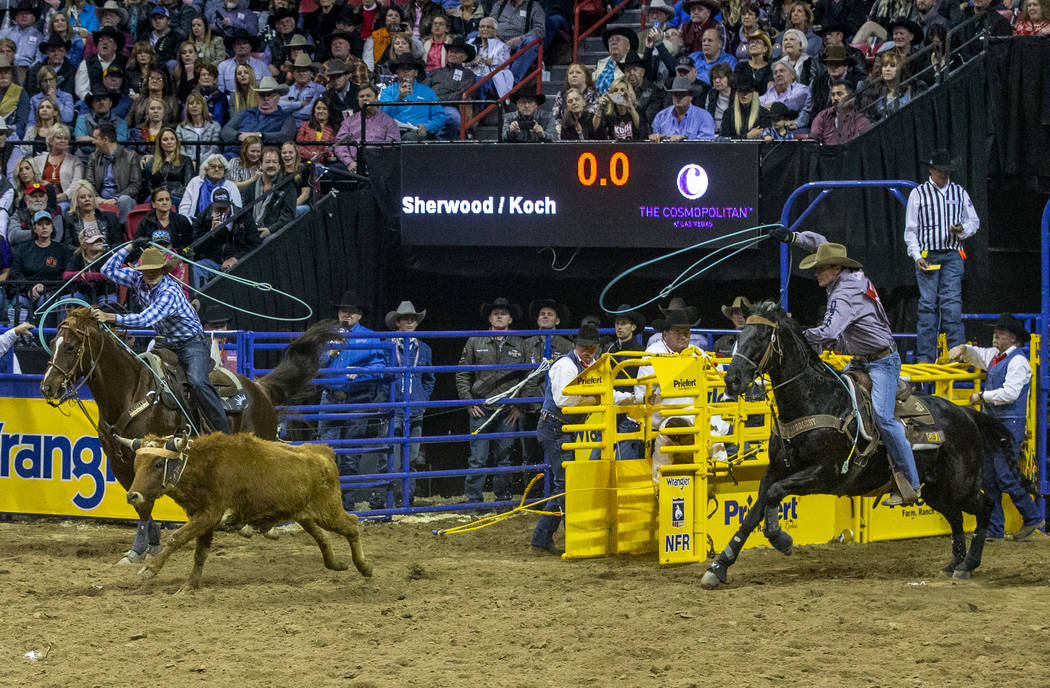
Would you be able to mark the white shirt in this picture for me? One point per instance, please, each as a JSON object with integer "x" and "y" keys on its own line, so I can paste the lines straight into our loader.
{"x": 658, "y": 348}
{"x": 1018, "y": 372}
{"x": 968, "y": 219}
{"x": 561, "y": 375}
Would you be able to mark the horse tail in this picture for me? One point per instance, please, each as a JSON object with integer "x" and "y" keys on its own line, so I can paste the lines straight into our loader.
{"x": 998, "y": 440}
{"x": 299, "y": 362}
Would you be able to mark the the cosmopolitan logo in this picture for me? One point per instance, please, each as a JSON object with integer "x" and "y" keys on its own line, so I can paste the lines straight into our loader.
{"x": 684, "y": 384}
{"x": 692, "y": 181}
{"x": 493, "y": 205}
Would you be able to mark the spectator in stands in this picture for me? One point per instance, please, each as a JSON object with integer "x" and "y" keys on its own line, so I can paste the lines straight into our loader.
{"x": 417, "y": 387}
{"x": 24, "y": 33}
{"x": 156, "y": 119}
{"x": 114, "y": 171}
{"x": 720, "y": 97}
{"x": 497, "y": 348}
{"x": 242, "y": 45}
{"x": 907, "y": 37}
{"x": 434, "y": 45}
{"x": 43, "y": 123}
{"x": 837, "y": 65}
{"x": 339, "y": 48}
{"x": 100, "y": 104}
{"x": 272, "y": 211}
{"x": 217, "y": 103}
{"x": 57, "y": 166}
{"x": 518, "y": 23}
{"x": 649, "y": 96}
{"x": 711, "y": 54}
{"x": 292, "y": 165}
{"x": 780, "y": 119}
{"x": 789, "y": 92}
{"x": 797, "y": 57}
{"x": 245, "y": 167}
{"x": 14, "y": 101}
{"x": 662, "y": 48}
{"x": 741, "y": 121}
{"x": 701, "y": 18}
{"x": 199, "y": 191}
{"x": 20, "y": 223}
{"x": 370, "y": 13}
{"x": 244, "y": 94}
{"x": 198, "y": 126}
{"x": 90, "y": 285}
{"x": 424, "y": 121}
{"x": 54, "y": 49}
{"x": 491, "y": 53}
{"x": 1034, "y": 19}
{"x": 736, "y": 313}
{"x": 320, "y": 23}
{"x": 143, "y": 61}
{"x": 941, "y": 58}
{"x": 25, "y": 178}
{"x": 576, "y": 122}
{"x": 185, "y": 73}
{"x": 10, "y": 154}
{"x": 163, "y": 218}
{"x": 939, "y": 216}
{"x": 760, "y": 50}
{"x": 48, "y": 89}
{"x": 687, "y": 68}
{"x": 341, "y": 94}
{"x": 59, "y": 27}
{"x": 619, "y": 41}
{"x": 282, "y": 23}
{"x": 234, "y": 15}
{"x": 465, "y": 18}
{"x": 933, "y": 12}
{"x": 165, "y": 42}
{"x": 401, "y": 45}
{"x": 158, "y": 85}
{"x": 232, "y": 238}
{"x": 317, "y": 135}
{"x": 800, "y": 18}
{"x": 266, "y": 120}
{"x": 881, "y": 14}
{"x": 617, "y": 117}
{"x": 848, "y": 15}
{"x": 578, "y": 77}
{"x": 449, "y": 82}
{"x": 84, "y": 215}
{"x": 304, "y": 90}
{"x": 378, "y": 43}
{"x": 110, "y": 44}
{"x": 835, "y": 35}
{"x": 884, "y": 93}
{"x": 379, "y": 127}
{"x": 293, "y": 49}
{"x": 167, "y": 166}
{"x": 737, "y": 40}
{"x": 209, "y": 47}
{"x": 529, "y": 124}
{"x": 682, "y": 120}
{"x": 39, "y": 262}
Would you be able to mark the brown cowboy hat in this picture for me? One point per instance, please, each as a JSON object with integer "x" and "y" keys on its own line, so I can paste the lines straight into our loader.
{"x": 739, "y": 303}
{"x": 827, "y": 255}
{"x": 153, "y": 259}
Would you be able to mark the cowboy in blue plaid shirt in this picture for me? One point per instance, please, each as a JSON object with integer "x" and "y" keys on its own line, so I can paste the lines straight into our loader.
{"x": 169, "y": 313}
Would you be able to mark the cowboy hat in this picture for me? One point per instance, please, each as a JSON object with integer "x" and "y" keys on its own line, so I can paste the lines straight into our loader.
{"x": 538, "y": 97}
{"x": 216, "y": 316}
{"x": 298, "y": 42}
{"x": 833, "y": 25}
{"x": 349, "y": 299}
{"x": 911, "y": 26}
{"x": 404, "y": 308}
{"x": 109, "y": 32}
{"x": 836, "y": 54}
{"x": 561, "y": 309}
{"x": 304, "y": 62}
{"x": 458, "y": 43}
{"x": 113, "y": 98}
{"x": 681, "y": 84}
{"x": 408, "y": 61}
{"x": 940, "y": 160}
{"x": 677, "y": 305}
{"x": 336, "y": 67}
{"x": 634, "y": 316}
{"x": 153, "y": 258}
{"x": 709, "y": 4}
{"x": 6, "y": 62}
{"x": 113, "y": 6}
{"x": 674, "y": 319}
{"x": 270, "y": 85}
{"x": 631, "y": 60}
{"x": 33, "y": 8}
{"x": 345, "y": 35}
{"x": 587, "y": 335}
{"x": 242, "y": 35}
{"x": 54, "y": 41}
{"x": 500, "y": 302}
{"x": 1013, "y": 325}
{"x": 744, "y": 78}
{"x": 777, "y": 111}
{"x": 283, "y": 13}
{"x": 662, "y": 6}
{"x": 828, "y": 254}
{"x": 760, "y": 35}
{"x": 630, "y": 34}
{"x": 739, "y": 303}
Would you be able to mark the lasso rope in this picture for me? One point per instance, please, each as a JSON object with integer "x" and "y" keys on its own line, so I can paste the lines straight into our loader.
{"x": 695, "y": 270}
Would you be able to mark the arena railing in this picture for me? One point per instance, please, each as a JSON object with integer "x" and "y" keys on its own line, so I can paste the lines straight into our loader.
{"x": 578, "y": 37}
{"x": 535, "y": 75}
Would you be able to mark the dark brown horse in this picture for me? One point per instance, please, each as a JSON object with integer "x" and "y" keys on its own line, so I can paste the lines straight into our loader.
{"x": 128, "y": 395}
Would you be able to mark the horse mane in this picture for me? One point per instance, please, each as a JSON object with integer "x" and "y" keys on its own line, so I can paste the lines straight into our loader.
{"x": 771, "y": 310}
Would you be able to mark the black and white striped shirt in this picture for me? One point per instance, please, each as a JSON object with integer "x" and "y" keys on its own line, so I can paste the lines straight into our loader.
{"x": 931, "y": 211}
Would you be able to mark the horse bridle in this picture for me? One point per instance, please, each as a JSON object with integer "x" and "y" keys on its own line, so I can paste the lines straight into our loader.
{"x": 72, "y": 388}
{"x": 773, "y": 347}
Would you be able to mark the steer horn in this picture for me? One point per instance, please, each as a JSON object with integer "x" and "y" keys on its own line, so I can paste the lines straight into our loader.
{"x": 176, "y": 443}
{"x": 133, "y": 445}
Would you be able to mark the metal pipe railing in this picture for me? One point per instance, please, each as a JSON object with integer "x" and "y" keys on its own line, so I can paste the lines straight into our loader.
{"x": 536, "y": 74}
{"x": 578, "y": 37}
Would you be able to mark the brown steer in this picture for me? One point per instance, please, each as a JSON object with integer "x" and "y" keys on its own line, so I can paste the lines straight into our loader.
{"x": 248, "y": 480}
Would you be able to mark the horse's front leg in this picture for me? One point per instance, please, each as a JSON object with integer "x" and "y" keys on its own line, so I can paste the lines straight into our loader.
{"x": 716, "y": 572}
{"x": 803, "y": 482}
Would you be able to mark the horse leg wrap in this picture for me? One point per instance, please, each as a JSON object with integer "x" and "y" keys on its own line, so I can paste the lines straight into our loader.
{"x": 154, "y": 533}
{"x": 777, "y": 537}
{"x": 142, "y": 535}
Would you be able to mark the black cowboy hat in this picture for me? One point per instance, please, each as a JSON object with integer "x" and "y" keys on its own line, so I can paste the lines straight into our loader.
{"x": 560, "y": 308}
{"x": 110, "y": 32}
{"x": 54, "y": 41}
{"x": 283, "y": 13}
{"x": 25, "y": 6}
{"x": 677, "y": 305}
{"x": 349, "y": 16}
{"x": 941, "y": 160}
{"x": 744, "y": 78}
{"x": 242, "y": 35}
{"x": 634, "y": 316}
{"x": 833, "y": 25}
{"x": 913, "y": 27}
{"x": 500, "y": 302}
{"x": 114, "y": 98}
{"x": 349, "y": 299}
{"x": 345, "y": 35}
{"x": 587, "y": 335}
{"x": 538, "y": 97}
{"x": 459, "y": 43}
{"x": 1014, "y": 326}
{"x": 709, "y": 4}
{"x": 674, "y": 319}
{"x": 408, "y": 60}
{"x": 631, "y": 60}
{"x": 630, "y": 34}
{"x": 216, "y": 316}
{"x": 778, "y": 110}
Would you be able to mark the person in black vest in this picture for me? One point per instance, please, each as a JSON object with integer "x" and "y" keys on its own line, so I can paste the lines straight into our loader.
{"x": 110, "y": 44}
{"x": 54, "y": 50}
{"x": 1005, "y": 397}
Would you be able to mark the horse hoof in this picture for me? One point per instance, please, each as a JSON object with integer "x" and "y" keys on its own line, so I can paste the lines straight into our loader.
{"x": 130, "y": 558}
{"x": 365, "y": 570}
{"x": 948, "y": 571}
{"x": 961, "y": 574}
{"x": 146, "y": 573}
{"x": 246, "y": 532}
{"x": 709, "y": 581}
{"x": 272, "y": 534}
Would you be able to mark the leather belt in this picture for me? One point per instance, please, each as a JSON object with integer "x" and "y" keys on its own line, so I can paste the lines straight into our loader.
{"x": 878, "y": 355}
{"x": 547, "y": 415}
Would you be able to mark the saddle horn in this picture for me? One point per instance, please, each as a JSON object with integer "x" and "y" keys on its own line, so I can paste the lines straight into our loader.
{"x": 133, "y": 445}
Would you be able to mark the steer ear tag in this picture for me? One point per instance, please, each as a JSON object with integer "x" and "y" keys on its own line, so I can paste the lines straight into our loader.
{"x": 173, "y": 471}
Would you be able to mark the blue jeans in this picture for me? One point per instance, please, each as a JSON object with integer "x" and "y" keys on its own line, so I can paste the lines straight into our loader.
{"x": 355, "y": 428}
{"x": 999, "y": 478}
{"x": 415, "y": 429}
{"x": 474, "y": 485}
{"x": 202, "y": 276}
{"x": 551, "y": 438}
{"x": 624, "y": 449}
{"x": 450, "y": 129}
{"x": 940, "y": 304}
{"x": 884, "y": 374}
{"x": 195, "y": 358}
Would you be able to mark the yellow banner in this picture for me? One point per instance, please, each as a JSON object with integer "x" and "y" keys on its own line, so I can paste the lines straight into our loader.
{"x": 592, "y": 380}
{"x": 678, "y": 375}
{"x": 51, "y": 462}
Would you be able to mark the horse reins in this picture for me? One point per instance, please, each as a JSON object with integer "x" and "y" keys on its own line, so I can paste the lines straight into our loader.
{"x": 73, "y": 389}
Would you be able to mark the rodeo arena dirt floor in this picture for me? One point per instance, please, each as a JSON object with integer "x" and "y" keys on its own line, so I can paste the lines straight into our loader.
{"x": 481, "y": 610}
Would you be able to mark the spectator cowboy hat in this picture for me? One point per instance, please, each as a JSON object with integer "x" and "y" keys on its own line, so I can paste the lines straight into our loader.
{"x": 403, "y": 62}
{"x": 634, "y": 316}
{"x": 6, "y": 63}
{"x": 709, "y": 4}
{"x": 836, "y": 54}
{"x": 110, "y": 32}
{"x": 744, "y": 78}
{"x": 113, "y": 6}
{"x": 764, "y": 37}
{"x": 833, "y": 25}
{"x": 827, "y": 255}
{"x": 54, "y": 41}
{"x": 940, "y": 160}
{"x": 336, "y": 68}
{"x": 630, "y": 34}
{"x": 560, "y": 308}
{"x": 241, "y": 35}
{"x": 35, "y": 9}
{"x": 1008, "y": 322}
{"x": 298, "y": 42}
{"x": 662, "y": 6}
{"x": 154, "y": 258}
{"x": 518, "y": 95}
{"x": 42, "y": 215}
{"x": 90, "y": 98}
{"x": 587, "y": 335}
{"x": 779, "y": 111}
{"x": 631, "y": 60}
{"x": 304, "y": 62}
{"x": 216, "y": 317}
{"x": 283, "y": 13}
{"x": 348, "y": 300}
{"x": 677, "y": 305}
{"x": 5, "y": 128}
{"x": 740, "y": 303}
{"x": 674, "y": 318}
{"x": 500, "y": 302}
{"x": 914, "y": 28}
{"x": 270, "y": 85}
{"x": 404, "y": 308}
{"x": 681, "y": 84}
{"x": 458, "y": 43}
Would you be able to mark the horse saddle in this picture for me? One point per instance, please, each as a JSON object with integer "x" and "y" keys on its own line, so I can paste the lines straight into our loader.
{"x": 919, "y": 425}
{"x": 165, "y": 363}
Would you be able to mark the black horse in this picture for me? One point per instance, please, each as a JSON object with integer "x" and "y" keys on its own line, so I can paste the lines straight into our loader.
{"x": 815, "y": 461}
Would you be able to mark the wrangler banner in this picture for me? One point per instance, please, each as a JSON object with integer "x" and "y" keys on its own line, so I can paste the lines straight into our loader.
{"x": 51, "y": 462}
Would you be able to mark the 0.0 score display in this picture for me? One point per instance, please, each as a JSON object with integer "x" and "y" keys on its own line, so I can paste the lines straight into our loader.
{"x": 619, "y": 170}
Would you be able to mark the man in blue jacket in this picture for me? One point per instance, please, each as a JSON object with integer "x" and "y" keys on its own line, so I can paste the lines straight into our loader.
{"x": 410, "y": 352}
{"x": 418, "y": 122}
{"x": 356, "y": 387}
